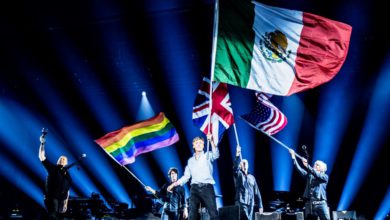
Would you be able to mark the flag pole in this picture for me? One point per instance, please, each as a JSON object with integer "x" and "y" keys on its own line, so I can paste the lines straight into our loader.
{"x": 276, "y": 140}
{"x": 281, "y": 143}
{"x": 213, "y": 54}
{"x": 126, "y": 169}
{"x": 238, "y": 143}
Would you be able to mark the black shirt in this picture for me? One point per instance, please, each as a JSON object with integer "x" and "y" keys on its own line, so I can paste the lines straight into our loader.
{"x": 57, "y": 182}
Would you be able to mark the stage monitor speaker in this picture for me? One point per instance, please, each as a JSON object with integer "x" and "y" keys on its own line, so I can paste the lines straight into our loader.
{"x": 268, "y": 216}
{"x": 293, "y": 216}
{"x": 347, "y": 215}
{"x": 229, "y": 212}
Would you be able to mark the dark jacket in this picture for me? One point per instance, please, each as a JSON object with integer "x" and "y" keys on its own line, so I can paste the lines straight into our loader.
{"x": 316, "y": 182}
{"x": 247, "y": 191}
{"x": 174, "y": 201}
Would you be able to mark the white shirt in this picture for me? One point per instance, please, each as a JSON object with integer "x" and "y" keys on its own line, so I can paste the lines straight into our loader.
{"x": 200, "y": 169}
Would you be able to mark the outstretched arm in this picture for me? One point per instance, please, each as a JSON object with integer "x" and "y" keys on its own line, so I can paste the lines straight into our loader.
{"x": 236, "y": 164}
{"x": 321, "y": 176}
{"x": 183, "y": 180}
{"x": 214, "y": 148}
{"x": 42, "y": 155}
{"x": 150, "y": 189}
{"x": 300, "y": 170}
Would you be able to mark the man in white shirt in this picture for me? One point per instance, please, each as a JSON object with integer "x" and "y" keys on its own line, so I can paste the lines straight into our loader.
{"x": 200, "y": 169}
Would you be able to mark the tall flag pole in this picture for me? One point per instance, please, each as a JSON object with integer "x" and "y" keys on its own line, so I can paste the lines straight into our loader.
{"x": 281, "y": 143}
{"x": 213, "y": 54}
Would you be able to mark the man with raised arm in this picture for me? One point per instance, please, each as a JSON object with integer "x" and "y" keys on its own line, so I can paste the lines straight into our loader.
{"x": 58, "y": 183}
{"x": 200, "y": 169}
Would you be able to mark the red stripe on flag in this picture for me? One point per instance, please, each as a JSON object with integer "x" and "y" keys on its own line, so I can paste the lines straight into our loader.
{"x": 322, "y": 50}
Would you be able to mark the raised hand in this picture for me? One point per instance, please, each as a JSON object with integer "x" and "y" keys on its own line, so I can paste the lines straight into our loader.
{"x": 238, "y": 150}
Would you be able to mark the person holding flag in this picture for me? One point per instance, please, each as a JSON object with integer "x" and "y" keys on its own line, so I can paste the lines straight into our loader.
{"x": 212, "y": 111}
{"x": 200, "y": 169}
{"x": 174, "y": 200}
{"x": 247, "y": 192}
{"x": 315, "y": 190}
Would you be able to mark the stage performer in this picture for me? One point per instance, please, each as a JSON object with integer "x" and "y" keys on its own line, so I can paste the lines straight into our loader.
{"x": 200, "y": 169}
{"x": 315, "y": 190}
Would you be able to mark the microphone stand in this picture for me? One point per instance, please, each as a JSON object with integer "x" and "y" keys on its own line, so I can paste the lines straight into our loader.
{"x": 304, "y": 148}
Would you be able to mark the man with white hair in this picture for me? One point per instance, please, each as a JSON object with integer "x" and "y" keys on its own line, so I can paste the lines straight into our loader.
{"x": 315, "y": 190}
{"x": 247, "y": 192}
{"x": 58, "y": 183}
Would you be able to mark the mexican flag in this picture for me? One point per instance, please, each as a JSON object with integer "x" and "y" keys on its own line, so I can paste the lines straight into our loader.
{"x": 276, "y": 50}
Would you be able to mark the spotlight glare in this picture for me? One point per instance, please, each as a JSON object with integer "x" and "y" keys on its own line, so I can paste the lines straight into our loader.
{"x": 143, "y": 93}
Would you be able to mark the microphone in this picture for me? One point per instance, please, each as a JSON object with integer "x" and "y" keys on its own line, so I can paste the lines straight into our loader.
{"x": 304, "y": 148}
{"x": 76, "y": 162}
{"x": 44, "y": 132}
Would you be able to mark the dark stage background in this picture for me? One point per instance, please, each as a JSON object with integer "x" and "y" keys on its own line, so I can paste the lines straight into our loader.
{"x": 79, "y": 68}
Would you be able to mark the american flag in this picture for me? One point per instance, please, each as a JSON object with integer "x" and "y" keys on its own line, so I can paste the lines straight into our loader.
{"x": 265, "y": 116}
{"x": 221, "y": 113}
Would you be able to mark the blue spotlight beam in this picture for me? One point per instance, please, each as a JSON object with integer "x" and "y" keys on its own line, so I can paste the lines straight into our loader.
{"x": 26, "y": 150}
{"x": 334, "y": 112}
{"x": 371, "y": 137}
{"x": 13, "y": 132}
{"x": 384, "y": 208}
{"x": 52, "y": 100}
{"x": 102, "y": 107}
{"x": 68, "y": 126}
{"x": 240, "y": 99}
{"x": 217, "y": 186}
{"x": 174, "y": 50}
{"x": 127, "y": 66}
{"x": 166, "y": 157}
{"x": 85, "y": 81}
{"x": 17, "y": 177}
{"x": 282, "y": 166}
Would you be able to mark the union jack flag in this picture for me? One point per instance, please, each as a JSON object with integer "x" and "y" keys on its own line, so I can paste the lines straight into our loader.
{"x": 221, "y": 112}
{"x": 265, "y": 116}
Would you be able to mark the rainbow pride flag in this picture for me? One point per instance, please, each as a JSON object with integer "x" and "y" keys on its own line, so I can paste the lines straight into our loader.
{"x": 145, "y": 136}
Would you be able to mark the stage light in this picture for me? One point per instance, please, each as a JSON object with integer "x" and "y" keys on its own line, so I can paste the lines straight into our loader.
{"x": 371, "y": 137}
{"x": 145, "y": 109}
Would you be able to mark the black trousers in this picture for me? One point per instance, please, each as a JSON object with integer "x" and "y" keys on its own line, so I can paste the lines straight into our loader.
{"x": 246, "y": 211}
{"x": 53, "y": 207}
{"x": 170, "y": 215}
{"x": 314, "y": 210}
{"x": 202, "y": 193}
